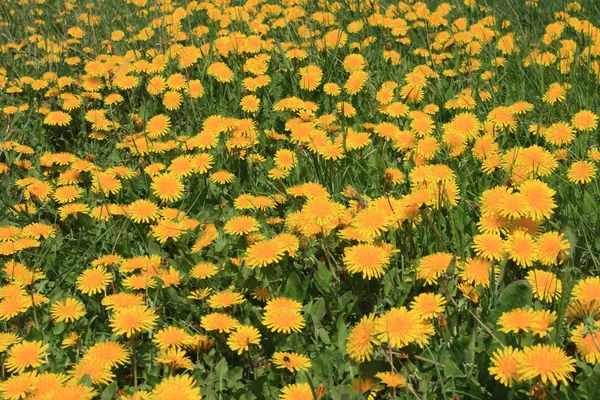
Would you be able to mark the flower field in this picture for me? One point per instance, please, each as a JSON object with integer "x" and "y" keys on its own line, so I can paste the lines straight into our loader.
{"x": 299, "y": 199}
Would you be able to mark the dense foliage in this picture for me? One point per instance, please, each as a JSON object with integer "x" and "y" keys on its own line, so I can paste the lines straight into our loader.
{"x": 299, "y": 199}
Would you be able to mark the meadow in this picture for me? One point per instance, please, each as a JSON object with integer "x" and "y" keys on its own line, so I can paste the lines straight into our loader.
{"x": 294, "y": 199}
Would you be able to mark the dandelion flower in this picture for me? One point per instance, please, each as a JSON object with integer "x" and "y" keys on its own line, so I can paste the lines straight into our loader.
{"x": 516, "y": 320}
{"x": 204, "y": 270}
{"x": 26, "y": 355}
{"x": 250, "y": 103}
{"x": 175, "y": 358}
{"x": 545, "y": 284}
{"x": 224, "y": 299}
{"x": 219, "y": 321}
{"x": 93, "y": 280}
{"x": 369, "y": 260}
{"x": 428, "y": 305}
{"x": 587, "y": 290}
{"x": 520, "y": 248}
{"x": 122, "y": 300}
{"x": 310, "y": 77}
{"x": 541, "y": 322}
{"x": 283, "y": 315}
{"x": 292, "y": 361}
{"x": 581, "y": 172}
{"x": 181, "y": 387}
{"x": 559, "y": 134}
{"x": 478, "y": 271}
{"x": 132, "y": 320}
{"x": 13, "y": 306}
{"x": 68, "y": 310}
{"x": 167, "y": 187}
{"x": 399, "y": 327}
{"x": 296, "y": 391}
{"x": 98, "y": 371}
{"x": 263, "y": 253}
{"x": 7, "y": 339}
{"x": 241, "y": 225}
{"x": 587, "y": 341}
{"x": 548, "y": 362}
{"x": 431, "y": 267}
{"x": 158, "y": 126}
{"x": 112, "y": 354}
{"x": 585, "y": 120}
{"x": 242, "y": 338}
{"x": 172, "y": 336}
{"x": 172, "y": 100}
{"x": 18, "y": 386}
{"x": 360, "y": 341}
{"x": 504, "y": 367}
{"x": 392, "y": 379}
{"x": 57, "y": 118}
{"x": 222, "y": 177}
{"x": 142, "y": 211}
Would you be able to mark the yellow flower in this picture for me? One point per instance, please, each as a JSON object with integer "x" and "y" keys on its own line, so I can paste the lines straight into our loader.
{"x": 98, "y": 371}
{"x": 26, "y": 355}
{"x": 283, "y": 315}
{"x": 242, "y": 338}
{"x": 516, "y": 320}
{"x": 368, "y": 259}
{"x": 431, "y": 267}
{"x": 225, "y": 298}
{"x": 297, "y": 391}
{"x": 399, "y": 327}
{"x": 68, "y": 310}
{"x": 361, "y": 339}
{"x": 181, "y": 387}
{"x": 504, "y": 366}
{"x": 167, "y": 187}
{"x": 93, "y": 280}
{"x": 132, "y": 320}
{"x": 548, "y": 362}
{"x": 175, "y": 358}
{"x": 219, "y": 321}
{"x": 112, "y": 354}
{"x": 18, "y": 386}
{"x": 428, "y": 305}
{"x": 241, "y": 225}
{"x": 172, "y": 337}
{"x": 291, "y": 361}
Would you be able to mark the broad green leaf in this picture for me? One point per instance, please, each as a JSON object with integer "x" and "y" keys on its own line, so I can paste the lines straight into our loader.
{"x": 516, "y": 294}
{"x": 294, "y": 288}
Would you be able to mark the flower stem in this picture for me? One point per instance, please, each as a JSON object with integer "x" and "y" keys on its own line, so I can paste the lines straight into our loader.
{"x": 134, "y": 361}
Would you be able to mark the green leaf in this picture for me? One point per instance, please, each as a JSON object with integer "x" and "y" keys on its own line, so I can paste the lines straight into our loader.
{"x": 342, "y": 331}
{"x": 451, "y": 369}
{"x": 86, "y": 380}
{"x": 344, "y": 392}
{"x": 317, "y": 311}
{"x": 324, "y": 336}
{"x": 588, "y": 389}
{"x": 34, "y": 335}
{"x": 294, "y": 288}
{"x": 571, "y": 235}
{"x": 221, "y": 370}
{"x": 516, "y": 294}
{"x": 109, "y": 392}
{"x": 58, "y": 328}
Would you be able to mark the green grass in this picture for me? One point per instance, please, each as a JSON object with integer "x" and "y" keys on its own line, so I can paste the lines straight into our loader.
{"x": 455, "y": 360}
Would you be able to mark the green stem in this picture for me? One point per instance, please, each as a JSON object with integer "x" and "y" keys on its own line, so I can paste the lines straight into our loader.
{"x": 134, "y": 361}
